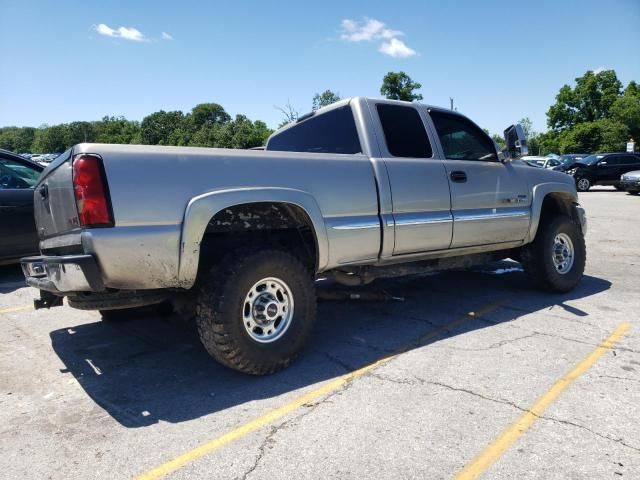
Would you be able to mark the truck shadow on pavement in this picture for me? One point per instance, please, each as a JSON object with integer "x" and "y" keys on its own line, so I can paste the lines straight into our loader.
{"x": 147, "y": 369}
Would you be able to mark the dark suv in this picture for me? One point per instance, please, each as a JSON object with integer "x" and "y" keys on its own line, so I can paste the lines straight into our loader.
{"x": 603, "y": 169}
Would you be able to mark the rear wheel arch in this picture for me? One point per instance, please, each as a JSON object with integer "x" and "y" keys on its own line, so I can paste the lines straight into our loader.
{"x": 278, "y": 225}
{"x": 211, "y": 213}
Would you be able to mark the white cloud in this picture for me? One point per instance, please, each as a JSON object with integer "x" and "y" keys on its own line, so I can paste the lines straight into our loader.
{"x": 370, "y": 29}
{"x": 396, "y": 48}
{"x": 166, "y": 36}
{"x": 600, "y": 70}
{"x": 367, "y": 30}
{"x": 126, "y": 33}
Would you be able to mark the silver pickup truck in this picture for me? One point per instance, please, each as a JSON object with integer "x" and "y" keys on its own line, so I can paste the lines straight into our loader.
{"x": 355, "y": 191}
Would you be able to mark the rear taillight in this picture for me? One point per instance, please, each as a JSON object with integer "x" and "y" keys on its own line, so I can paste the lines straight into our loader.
{"x": 91, "y": 192}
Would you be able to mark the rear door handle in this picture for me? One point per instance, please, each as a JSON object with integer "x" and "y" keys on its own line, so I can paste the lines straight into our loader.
{"x": 458, "y": 176}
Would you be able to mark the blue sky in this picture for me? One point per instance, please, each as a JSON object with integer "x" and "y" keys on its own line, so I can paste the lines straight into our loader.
{"x": 500, "y": 60}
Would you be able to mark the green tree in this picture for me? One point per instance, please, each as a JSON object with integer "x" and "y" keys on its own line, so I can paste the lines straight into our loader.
{"x": 117, "y": 130}
{"x": 532, "y": 136}
{"x": 498, "y": 139}
{"x": 527, "y": 126}
{"x": 208, "y": 114}
{"x": 626, "y": 110}
{"x": 78, "y": 132}
{"x": 589, "y": 100}
{"x": 547, "y": 142}
{"x": 400, "y": 86}
{"x": 604, "y": 135}
{"x": 17, "y": 139}
{"x": 323, "y": 99}
{"x": 239, "y": 133}
{"x": 159, "y": 127}
{"x": 49, "y": 139}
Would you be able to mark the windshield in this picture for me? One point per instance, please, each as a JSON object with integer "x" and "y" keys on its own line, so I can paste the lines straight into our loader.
{"x": 591, "y": 159}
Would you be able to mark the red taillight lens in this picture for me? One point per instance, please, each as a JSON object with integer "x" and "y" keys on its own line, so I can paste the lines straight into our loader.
{"x": 91, "y": 195}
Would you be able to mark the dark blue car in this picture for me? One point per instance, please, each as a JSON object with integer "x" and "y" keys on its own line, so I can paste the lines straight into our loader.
{"x": 18, "y": 236}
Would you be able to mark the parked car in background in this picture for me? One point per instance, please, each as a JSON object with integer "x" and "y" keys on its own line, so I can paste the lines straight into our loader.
{"x": 568, "y": 160}
{"x": 18, "y": 236}
{"x": 44, "y": 158}
{"x": 630, "y": 182}
{"x": 540, "y": 162}
{"x": 603, "y": 169}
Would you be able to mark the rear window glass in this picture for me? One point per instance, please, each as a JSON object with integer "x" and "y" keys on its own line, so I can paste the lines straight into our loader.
{"x": 330, "y": 132}
{"x": 404, "y": 131}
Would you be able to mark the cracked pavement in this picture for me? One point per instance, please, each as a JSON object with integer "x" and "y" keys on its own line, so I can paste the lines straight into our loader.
{"x": 80, "y": 398}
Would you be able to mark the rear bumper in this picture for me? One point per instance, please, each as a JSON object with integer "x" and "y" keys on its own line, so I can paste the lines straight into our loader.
{"x": 63, "y": 274}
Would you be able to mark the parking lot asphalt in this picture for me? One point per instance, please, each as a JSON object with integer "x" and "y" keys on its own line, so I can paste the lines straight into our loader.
{"x": 474, "y": 375}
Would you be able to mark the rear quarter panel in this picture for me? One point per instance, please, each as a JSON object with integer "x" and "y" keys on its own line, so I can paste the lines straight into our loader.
{"x": 151, "y": 187}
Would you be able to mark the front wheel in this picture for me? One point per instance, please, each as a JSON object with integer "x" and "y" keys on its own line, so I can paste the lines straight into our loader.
{"x": 555, "y": 259}
{"x": 583, "y": 184}
{"x": 256, "y": 310}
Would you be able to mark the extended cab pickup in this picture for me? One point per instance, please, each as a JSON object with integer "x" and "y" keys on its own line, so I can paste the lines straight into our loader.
{"x": 358, "y": 190}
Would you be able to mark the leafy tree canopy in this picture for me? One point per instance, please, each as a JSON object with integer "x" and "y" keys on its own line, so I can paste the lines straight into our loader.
{"x": 400, "y": 86}
{"x": 590, "y": 100}
{"x": 208, "y": 114}
{"x": 323, "y": 99}
{"x": 208, "y": 125}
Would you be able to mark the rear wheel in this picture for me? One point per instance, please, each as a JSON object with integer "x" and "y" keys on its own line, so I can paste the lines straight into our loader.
{"x": 256, "y": 310}
{"x": 583, "y": 184}
{"x": 555, "y": 259}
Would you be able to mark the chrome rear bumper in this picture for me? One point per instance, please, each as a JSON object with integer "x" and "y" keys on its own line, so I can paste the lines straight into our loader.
{"x": 63, "y": 274}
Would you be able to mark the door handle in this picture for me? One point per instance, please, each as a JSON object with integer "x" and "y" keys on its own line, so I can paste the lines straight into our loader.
{"x": 458, "y": 176}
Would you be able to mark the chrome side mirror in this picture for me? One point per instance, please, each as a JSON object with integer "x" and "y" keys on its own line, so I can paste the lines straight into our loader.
{"x": 515, "y": 141}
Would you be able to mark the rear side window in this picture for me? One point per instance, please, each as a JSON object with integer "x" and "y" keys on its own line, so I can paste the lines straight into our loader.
{"x": 16, "y": 175}
{"x": 461, "y": 139}
{"x": 630, "y": 160}
{"x": 331, "y": 132}
{"x": 404, "y": 131}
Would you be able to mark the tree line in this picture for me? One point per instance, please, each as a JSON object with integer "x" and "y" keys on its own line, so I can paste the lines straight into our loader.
{"x": 207, "y": 125}
{"x": 595, "y": 115}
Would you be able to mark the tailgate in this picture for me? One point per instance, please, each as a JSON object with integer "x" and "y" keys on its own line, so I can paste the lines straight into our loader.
{"x": 54, "y": 200}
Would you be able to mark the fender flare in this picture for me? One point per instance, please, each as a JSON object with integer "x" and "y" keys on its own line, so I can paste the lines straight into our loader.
{"x": 540, "y": 192}
{"x": 202, "y": 208}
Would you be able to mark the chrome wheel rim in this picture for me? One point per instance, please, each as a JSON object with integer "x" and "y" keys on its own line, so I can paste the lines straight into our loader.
{"x": 267, "y": 310}
{"x": 563, "y": 253}
{"x": 583, "y": 184}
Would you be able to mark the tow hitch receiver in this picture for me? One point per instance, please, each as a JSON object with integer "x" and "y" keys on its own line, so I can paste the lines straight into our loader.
{"x": 47, "y": 300}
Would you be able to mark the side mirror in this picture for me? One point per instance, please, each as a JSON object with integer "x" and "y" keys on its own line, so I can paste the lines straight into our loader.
{"x": 515, "y": 141}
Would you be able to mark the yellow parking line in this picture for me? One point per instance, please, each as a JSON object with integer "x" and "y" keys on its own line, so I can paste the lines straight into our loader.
{"x": 18, "y": 308}
{"x": 511, "y": 434}
{"x": 273, "y": 415}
